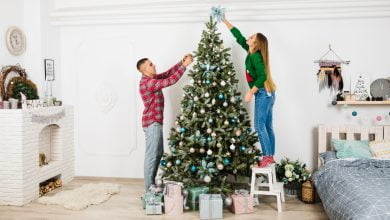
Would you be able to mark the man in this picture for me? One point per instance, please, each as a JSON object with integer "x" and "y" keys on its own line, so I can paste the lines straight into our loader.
{"x": 151, "y": 85}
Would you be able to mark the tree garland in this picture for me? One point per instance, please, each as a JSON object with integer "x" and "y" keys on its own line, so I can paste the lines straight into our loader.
{"x": 19, "y": 85}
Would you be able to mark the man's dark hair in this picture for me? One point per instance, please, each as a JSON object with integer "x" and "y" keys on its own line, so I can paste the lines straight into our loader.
{"x": 140, "y": 62}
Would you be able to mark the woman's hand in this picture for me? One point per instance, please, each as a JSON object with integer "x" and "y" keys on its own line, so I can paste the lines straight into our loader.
{"x": 187, "y": 60}
{"x": 227, "y": 23}
{"x": 248, "y": 96}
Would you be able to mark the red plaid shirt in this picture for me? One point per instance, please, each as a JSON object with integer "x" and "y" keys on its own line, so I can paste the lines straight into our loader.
{"x": 152, "y": 96}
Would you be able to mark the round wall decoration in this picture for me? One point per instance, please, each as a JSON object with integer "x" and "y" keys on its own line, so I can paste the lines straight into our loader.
{"x": 15, "y": 40}
{"x": 380, "y": 88}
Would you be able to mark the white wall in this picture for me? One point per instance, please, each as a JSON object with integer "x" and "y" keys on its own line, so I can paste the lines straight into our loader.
{"x": 11, "y": 14}
{"x": 100, "y": 42}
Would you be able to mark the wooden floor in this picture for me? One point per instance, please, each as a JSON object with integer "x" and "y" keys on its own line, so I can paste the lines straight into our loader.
{"x": 127, "y": 205}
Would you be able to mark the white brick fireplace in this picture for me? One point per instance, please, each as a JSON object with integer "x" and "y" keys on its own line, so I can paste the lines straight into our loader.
{"x": 24, "y": 133}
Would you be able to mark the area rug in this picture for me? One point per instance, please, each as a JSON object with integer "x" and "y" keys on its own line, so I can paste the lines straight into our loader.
{"x": 80, "y": 198}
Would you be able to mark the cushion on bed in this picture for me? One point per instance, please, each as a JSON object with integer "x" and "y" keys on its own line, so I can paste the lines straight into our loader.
{"x": 351, "y": 148}
{"x": 380, "y": 149}
{"x": 327, "y": 156}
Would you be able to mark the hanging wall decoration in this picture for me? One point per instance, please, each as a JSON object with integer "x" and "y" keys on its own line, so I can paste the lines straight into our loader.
{"x": 329, "y": 74}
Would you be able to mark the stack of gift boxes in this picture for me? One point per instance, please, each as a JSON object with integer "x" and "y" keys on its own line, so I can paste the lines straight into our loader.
{"x": 172, "y": 199}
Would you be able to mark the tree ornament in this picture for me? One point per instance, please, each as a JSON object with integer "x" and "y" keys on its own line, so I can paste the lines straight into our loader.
{"x": 226, "y": 122}
{"x": 242, "y": 148}
{"x": 207, "y": 179}
{"x": 354, "y": 113}
{"x": 213, "y": 134}
{"x": 220, "y": 166}
{"x": 219, "y": 145}
{"x": 228, "y": 201}
{"x": 202, "y": 150}
{"x": 202, "y": 111}
{"x": 232, "y": 99}
{"x": 209, "y": 139}
{"x": 193, "y": 168}
{"x": 225, "y": 104}
{"x": 176, "y": 123}
{"x": 210, "y": 120}
{"x": 226, "y": 161}
{"x": 192, "y": 150}
{"x": 227, "y": 153}
{"x": 221, "y": 96}
{"x": 238, "y": 132}
{"x": 192, "y": 81}
{"x": 196, "y": 98}
{"x": 181, "y": 143}
{"x": 232, "y": 147}
{"x": 182, "y": 117}
{"x": 178, "y": 129}
{"x": 378, "y": 118}
{"x": 194, "y": 115}
{"x": 223, "y": 83}
{"x": 169, "y": 164}
{"x": 214, "y": 83}
{"x": 199, "y": 82}
{"x": 206, "y": 95}
{"x": 178, "y": 162}
{"x": 213, "y": 102}
{"x": 209, "y": 152}
{"x": 218, "y": 111}
{"x": 209, "y": 130}
{"x": 233, "y": 140}
{"x": 163, "y": 163}
{"x": 207, "y": 82}
{"x": 182, "y": 130}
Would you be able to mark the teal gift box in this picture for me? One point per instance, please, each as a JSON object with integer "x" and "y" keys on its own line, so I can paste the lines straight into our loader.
{"x": 193, "y": 196}
{"x": 151, "y": 197}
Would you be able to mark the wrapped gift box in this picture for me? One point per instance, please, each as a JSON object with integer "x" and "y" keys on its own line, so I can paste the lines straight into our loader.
{"x": 242, "y": 202}
{"x": 153, "y": 208}
{"x": 210, "y": 206}
{"x": 173, "y": 205}
{"x": 151, "y": 197}
{"x": 193, "y": 196}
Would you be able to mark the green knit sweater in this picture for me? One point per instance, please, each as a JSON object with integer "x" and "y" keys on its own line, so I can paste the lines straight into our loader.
{"x": 254, "y": 64}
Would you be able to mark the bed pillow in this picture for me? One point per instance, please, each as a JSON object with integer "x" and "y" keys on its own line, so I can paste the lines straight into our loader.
{"x": 328, "y": 156}
{"x": 380, "y": 149}
{"x": 351, "y": 149}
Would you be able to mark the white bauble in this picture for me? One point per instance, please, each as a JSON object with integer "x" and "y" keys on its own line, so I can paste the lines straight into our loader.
{"x": 199, "y": 82}
{"x": 207, "y": 179}
{"x": 213, "y": 101}
{"x": 202, "y": 111}
{"x": 232, "y": 147}
{"x": 192, "y": 150}
{"x": 218, "y": 111}
{"x": 209, "y": 130}
{"x": 206, "y": 95}
{"x": 227, "y": 153}
{"x": 169, "y": 164}
{"x": 210, "y": 120}
{"x": 225, "y": 104}
{"x": 202, "y": 150}
{"x": 176, "y": 123}
{"x": 228, "y": 201}
{"x": 181, "y": 143}
{"x": 209, "y": 152}
{"x": 214, "y": 83}
{"x": 238, "y": 132}
{"x": 213, "y": 134}
{"x": 182, "y": 117}
{"x": 192, "y": 81}
{"x": 220, "y": 166}
{"x": 196, "y": 98}
{"x": 219, "y": 144}
{"x": 226, "y": 122}
{"x": 223, "y": 83}
{"x": 232, "y": 99}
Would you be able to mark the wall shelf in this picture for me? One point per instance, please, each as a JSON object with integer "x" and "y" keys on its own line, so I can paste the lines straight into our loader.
{"x": 363, "y": 102}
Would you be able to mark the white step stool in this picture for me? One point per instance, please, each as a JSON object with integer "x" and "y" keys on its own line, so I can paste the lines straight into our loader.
{"x": 274, "y": 188}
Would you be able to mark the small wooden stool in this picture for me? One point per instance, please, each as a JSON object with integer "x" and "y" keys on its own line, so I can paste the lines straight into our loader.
{"x": 274, "y": 188}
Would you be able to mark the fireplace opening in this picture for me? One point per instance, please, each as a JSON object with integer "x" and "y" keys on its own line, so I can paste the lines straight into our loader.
{"x": 49, "y": 149}
{"x": 50, "y": 185}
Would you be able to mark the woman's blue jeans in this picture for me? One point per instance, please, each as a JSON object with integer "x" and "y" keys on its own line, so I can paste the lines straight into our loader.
{"x": 264, "y": 103}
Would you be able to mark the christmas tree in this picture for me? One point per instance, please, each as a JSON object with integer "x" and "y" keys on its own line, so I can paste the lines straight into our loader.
{"x": 360, "y": 90}
{"x": 212, "y": 138}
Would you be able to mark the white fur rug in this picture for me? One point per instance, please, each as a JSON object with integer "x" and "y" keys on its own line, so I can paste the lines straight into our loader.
{"x": 80, "y": 198}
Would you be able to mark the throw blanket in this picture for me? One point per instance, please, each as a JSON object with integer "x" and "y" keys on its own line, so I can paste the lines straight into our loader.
{"x": 355, "y": 189}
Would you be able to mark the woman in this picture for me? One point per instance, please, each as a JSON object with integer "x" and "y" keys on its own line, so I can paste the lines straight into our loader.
{"x": 260, "y": 82}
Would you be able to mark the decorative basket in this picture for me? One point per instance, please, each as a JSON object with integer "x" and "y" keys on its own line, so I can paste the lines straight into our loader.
{"x": 308, "y": 192}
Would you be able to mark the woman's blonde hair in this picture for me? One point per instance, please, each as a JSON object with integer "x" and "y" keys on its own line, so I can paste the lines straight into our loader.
{"x": 261, "y": 45}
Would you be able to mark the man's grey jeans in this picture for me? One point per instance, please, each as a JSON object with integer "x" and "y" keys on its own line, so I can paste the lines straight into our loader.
{"x": 153, "y": 152}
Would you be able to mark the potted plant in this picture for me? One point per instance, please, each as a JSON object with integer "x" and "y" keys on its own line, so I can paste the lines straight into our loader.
{"x": 292, "y": 174}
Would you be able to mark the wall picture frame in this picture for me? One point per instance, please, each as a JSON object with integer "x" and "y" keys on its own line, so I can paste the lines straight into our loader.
{"x": 49, "y": 70}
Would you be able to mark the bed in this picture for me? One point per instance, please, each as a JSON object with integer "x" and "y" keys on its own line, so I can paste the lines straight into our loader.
{"x": 353, "y": 188}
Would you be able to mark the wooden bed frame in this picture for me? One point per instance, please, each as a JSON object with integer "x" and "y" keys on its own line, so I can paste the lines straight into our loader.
{"x": 345, "y": 132}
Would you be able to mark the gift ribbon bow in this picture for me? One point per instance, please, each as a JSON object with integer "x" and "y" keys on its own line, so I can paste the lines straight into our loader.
{"x": 218, "y": 13}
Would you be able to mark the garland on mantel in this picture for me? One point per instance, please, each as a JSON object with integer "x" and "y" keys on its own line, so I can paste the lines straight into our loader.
{"x": 48, "y": 118}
